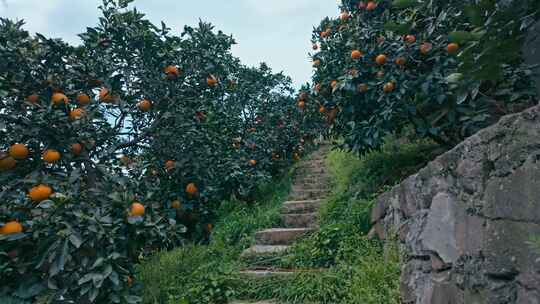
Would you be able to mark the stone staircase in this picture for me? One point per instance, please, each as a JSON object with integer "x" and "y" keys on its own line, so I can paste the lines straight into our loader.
{"x": 299, "y": 215}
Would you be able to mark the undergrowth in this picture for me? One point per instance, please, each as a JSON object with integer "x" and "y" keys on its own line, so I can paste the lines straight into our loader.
{"x": 338, "y": 264}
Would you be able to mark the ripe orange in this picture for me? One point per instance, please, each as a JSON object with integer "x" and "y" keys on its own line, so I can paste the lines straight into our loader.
{"x": 371, "y": 6}
{"x": 137, "y": 209}
{"x": 130, "y": 280}
{"x": 191, "y": 189}
{"x": 40, "y": 193}
{"x": 362, "y": 87}
{"x": 252, "y": 162}
{"x": 176, "y": 204}
{"x": 34, "y": 98}
{"x": 7, "y": 162}
{"x": 316, "y": 62}
{"x": 381, "y": 59}
{"x": 356, "y": 54}
{"x": 51, "y": 156}
{"x": 76, "y": 148}
{"x": 125, "y": 160}
{"x": 425, "y": 48}
{"x": 211, "y": 80}
{"x": 401, "y": 61}
{"x": 317, "y": 87}
{"x": 172, "y": 72}
{"x": 333, "y": 84}
{"x": 19, "y": 151}
{"x": 326, "y": 33}
{"x": 452, "y": 48}
{"x": 58, "y": 98}
{"x": 11, "y": 228}
{"x": 301, "y": 104}
{"x": 83, "y": 99}
{"x": 322, "y": 109}
{"x": 410, "y": 39}
{"x": 388, "y": 87}
{"x": 344, "y": 16}
{"x": 105, "y": 95}
{"x": 76, "y": 113}
{"x": 144, "y": 105}
{"x": 169, "y": 165}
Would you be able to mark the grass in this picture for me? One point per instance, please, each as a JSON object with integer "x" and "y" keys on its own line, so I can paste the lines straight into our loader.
{"x": 356, "y": 269}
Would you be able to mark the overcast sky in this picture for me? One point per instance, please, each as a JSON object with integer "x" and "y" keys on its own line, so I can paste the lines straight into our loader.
{"x": 277, "y": 32}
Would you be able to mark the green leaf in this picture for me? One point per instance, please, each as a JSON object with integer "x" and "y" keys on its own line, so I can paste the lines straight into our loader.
{"x": 403, "y": 4}
{"x": 401, "y": 29}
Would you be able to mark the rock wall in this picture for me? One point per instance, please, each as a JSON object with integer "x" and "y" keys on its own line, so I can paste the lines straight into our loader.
{"x": 466, "y": 220}
{"x": 531, "y": 50}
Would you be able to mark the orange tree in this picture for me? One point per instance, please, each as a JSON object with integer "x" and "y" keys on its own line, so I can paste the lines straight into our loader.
{"x": 441, "y": 68}
{"x": 124, "y": 145}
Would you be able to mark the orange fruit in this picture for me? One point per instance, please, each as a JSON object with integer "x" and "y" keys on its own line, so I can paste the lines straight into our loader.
{"x": 333, "y": 84}
{"x": 76, "y": 113}
{"x": 322, "y": 109}
{"x": 58, "y": 98}
{"x": 34, "y": 98}
{"x": 326, "y": 33}
{"x": 315, "y": 46}
{"x": 410, "y": 39}
{"x": 301, "y": 104}
{"x": 191, "y": 189}
{"x": 388, "y": 87}
{"x": 362, "y": 5}
{"x": 19, "y": 151}
{"x": 176, "y": 204}
{"x": 211, "y": 80}
{"x": 381, "y": 59}
{"x": 7, "y": 162}
{"x": 356, "y": 54}
{"x": 51, "y": 156}
{"x": 40, "y": 193}
{"x": 137, "y": 209}
{"x": 302, "y": 96}
{"x": 76, "y": 148}
{"x": 317, "y": 87}
{"x": 105, "y": 95}
{"x": 353, "y": 72}
{"x": 11, "y": 228}
{"x": 362, "y": 87}
{"x": 296, "y": 156}
{"x": 452, "y": 48}
{"x": 252, "y": 162}
{"x": 371, "y": 6}
{"x": 169, "y": 165}
{"x": 344, "y": 16}
{"x": 83, "y": 99}
{"x": 316, "y": 62}
{"x": 130, "y": 280}
{"x": 401, "y": 61}
{"x": 425, "y": 48}
{"x": 144, "y": 105}
{"x": 172, "y": 72}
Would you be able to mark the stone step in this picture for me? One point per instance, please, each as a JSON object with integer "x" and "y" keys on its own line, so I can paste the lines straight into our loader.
{"x": 299, "y": 220}
{"x": 305, "y": 206}
{"x": 311, "y": 170}
{"x": 259, "y": 302}
{"x": 307, "y": 195}
{"x": 311, "y": 187}
{"x": 307, "y": 181}
{"x": 266, "y": 273}
{"x": 280, "y": 236}
{"x": 263, "y": 250}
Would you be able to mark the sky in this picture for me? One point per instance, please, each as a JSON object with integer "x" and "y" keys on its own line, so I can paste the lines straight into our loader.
{"x": 277, "y": 32}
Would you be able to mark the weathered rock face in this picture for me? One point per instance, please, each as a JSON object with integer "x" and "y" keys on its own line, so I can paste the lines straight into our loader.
{"x": 466, "y": 221}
